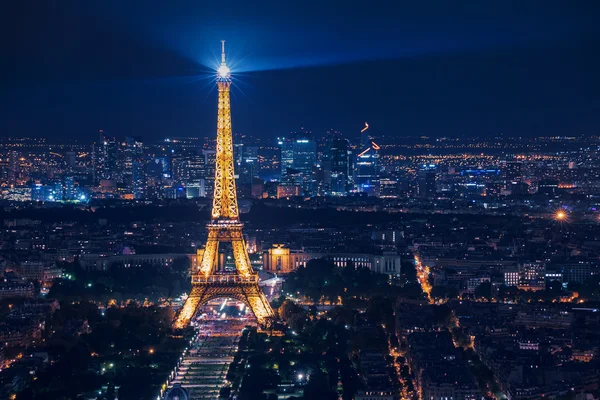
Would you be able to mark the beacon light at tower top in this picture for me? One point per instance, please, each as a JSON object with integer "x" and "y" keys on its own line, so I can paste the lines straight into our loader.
{"x": 223, "y": 72}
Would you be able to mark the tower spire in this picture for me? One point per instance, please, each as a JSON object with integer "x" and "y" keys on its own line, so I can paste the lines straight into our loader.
{"x": 223, "y": 70}
{"x": 223, "y": 52}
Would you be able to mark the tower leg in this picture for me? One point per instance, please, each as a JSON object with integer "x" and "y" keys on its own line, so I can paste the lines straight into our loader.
{"x": 260, "y": 306}
{"x": 189, "y": 308}
{"x": 211, "y": 250}
{"x": 240, "y": 255}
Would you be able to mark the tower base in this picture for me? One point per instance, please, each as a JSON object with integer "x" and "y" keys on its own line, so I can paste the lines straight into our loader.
{"x": 244, "y": 290}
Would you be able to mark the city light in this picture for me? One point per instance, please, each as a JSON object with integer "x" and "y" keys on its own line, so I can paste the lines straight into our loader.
{"x": 425, "y": 266}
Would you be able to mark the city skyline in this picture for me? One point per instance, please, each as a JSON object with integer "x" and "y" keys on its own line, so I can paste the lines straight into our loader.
{"x": 419, "y": 73}
{"x": 394, "y": 202}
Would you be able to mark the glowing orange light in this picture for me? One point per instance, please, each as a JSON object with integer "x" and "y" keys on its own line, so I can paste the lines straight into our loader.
{"x": 560, "y": 216}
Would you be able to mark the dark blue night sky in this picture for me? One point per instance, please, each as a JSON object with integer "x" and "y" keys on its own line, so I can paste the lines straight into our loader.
{"x": 439, "y": 68}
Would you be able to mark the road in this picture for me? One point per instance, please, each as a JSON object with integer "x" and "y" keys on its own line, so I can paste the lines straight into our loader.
{"x": 203, "y": 369}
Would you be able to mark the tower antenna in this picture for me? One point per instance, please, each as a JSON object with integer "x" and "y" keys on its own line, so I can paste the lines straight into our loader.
{"x": 222, "y": 52}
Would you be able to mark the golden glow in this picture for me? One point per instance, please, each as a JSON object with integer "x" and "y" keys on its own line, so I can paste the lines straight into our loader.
{"x": 225, "y": 226}
{"x": 560, "y": 215}
{"x": 224, "y": 199}
{"x": 365, "y": 128}
{"x": 423, "y": 278}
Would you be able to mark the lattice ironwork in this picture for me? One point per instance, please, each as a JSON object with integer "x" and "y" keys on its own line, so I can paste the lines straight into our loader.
{"x": 225, "y": 226}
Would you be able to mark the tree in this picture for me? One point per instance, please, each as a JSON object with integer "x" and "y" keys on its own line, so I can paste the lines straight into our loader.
{"x": 444, "y": 292}
{"x": 554, "y": 287}
{"x": 318, "y": 387}
{"x": 443, "y": 315}
{"x": 484, "y": 290}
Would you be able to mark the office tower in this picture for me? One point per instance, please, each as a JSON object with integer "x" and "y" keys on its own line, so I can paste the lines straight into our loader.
{"x": 248, "y": 167}
{"x": 69, "y": 190}
{"x": 366, "y": 170}
{"x": 106, "y": 159}
{"x": 138, "y": 178}
{"x": 305, "y": 152}
{"x": 57, "y": 193}
{"x": 193, "y": 175}
{"x": 426, "y": 180}
{"x": 238, "y": 153}
{"x": 194, "y": 170}
{"x": 133, "y": 147}
{"x": 14, "y": 167}
{"x": 178, "y": 166}
{"x": 335, "y": 164}
{"x": 286, "y": 145}
{"x": 304, "y": 160}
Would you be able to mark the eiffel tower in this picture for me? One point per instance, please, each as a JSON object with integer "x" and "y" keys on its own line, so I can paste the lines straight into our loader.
{"x": 208, "y": 282}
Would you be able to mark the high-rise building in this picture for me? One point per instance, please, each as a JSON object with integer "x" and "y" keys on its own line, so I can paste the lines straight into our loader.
{"x": 69, "y": 190}
{"x": 57, "y": 192}
{"x": 366, "y": 170}
{"x": 105, "y": 159}
{"x": 192, "y": 173}
{"x": 305, "y": 159}
{"x": 426, "y": 180}
{"x": 133, "y": 147}
{"x": 247, "y": 169}
{"x": 138, "y": 178}
{"x": 14, "y": 167}
{"x": 305, "y": 153}
{"x": 194, "y": 170}
{"x": 336, "y": 166}
{"x": 287, "y": 154}
{"x": 298, "y": 159}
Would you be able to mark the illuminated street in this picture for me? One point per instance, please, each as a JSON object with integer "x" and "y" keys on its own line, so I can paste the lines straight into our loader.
{"x": 203, "y": 368}
{"x": 423, "y": 277}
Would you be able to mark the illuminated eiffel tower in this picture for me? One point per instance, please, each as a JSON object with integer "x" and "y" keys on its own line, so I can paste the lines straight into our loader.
{"x": 208, "y": 282}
